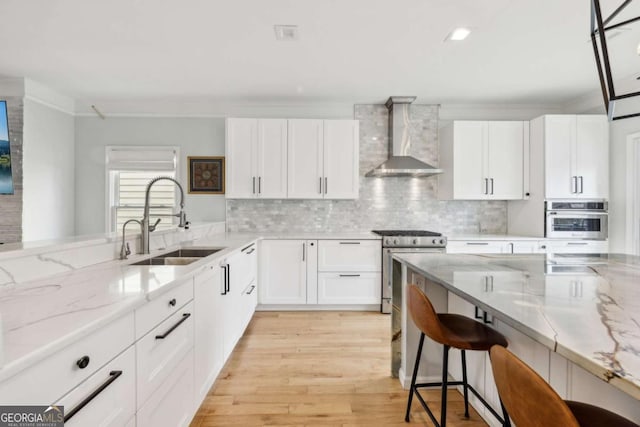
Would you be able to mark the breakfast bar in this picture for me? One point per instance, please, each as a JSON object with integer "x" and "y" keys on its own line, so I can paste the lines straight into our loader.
{"x": 575, "y": 318}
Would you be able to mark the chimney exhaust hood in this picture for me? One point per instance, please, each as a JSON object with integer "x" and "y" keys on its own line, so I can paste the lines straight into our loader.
{"x": 399, "y": 162}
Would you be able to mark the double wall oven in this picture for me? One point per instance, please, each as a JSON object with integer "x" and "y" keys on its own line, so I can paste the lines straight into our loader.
{"x": 403, "y": 241}
{"x": 571, "y": 219}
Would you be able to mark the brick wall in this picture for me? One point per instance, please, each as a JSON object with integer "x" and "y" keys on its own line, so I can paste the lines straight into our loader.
{"x": 11, "y": 205}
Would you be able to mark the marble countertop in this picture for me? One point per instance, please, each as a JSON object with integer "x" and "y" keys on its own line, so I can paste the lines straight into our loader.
{"x": 584, "y": 307}
{"x": 41, "y": 316}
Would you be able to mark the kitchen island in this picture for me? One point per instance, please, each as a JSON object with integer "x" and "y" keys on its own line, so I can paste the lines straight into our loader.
{"x": 575, "y": 318}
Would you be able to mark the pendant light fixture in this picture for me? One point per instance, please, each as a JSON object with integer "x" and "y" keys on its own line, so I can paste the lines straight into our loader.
{"x": 599, "y": 28}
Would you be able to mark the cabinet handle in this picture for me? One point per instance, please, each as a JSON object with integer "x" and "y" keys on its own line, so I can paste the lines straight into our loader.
{"x": 304, "y": 247}
{"x": 320, "y": 189}
{"x": 326, "y": 185}
{"x": 491, "y": 179}
{"x": 349, "y": 275}
{"x": 224, "y": 289}
{"x": 254, "y": 185}
{"x": 228, "y": 281}
{"x": 485, "y": 319}
{"x": 185, "y": 316}
{"x": 83, "y": 362}
{"x": 259, "y": 185}
{"x": 581, "y": 184}
{"x": 251, "y": 251}
{"x": 247, "y": 247}
{"x": 574, "y": 184}
{"x": 173, "y": 302}
{"x": 476, "y": 313}
{"x": 113, "y": 375}
{"x": 577, "y": 243}
{"x": 349, "y": 243}
{"x": 486, "y": 186}
{"x": 477, "y": 243}
{"x": 251, "y": 290}
{"x": 511, "y": 246}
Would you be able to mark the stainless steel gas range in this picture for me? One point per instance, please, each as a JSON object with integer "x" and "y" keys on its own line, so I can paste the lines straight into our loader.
{"x": 403, "y": 241}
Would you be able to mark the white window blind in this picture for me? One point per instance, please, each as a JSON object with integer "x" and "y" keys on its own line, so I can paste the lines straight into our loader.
{"x": 129, "y": 171}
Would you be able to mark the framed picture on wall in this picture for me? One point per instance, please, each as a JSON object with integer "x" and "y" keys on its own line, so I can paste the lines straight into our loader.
{"x": 206, "y": 175}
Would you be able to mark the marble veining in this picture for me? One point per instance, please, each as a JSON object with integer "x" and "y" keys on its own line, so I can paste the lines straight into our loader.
{"x": 592, "y": 319}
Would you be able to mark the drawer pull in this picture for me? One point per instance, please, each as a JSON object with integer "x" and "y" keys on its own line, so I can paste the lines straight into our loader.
{"x": 251, "y": 251}
{"x": 251, "y": 290}
{"x": 113, "y": 375}
{"x": 349, "y": 243}
{"x": 477, "y": 313}
{"x": 83, "y": 362}
{"x": 577, "y": 243}
{"x": 185, "y": 316}
{"x": 477, "y": 243}
{"x": 349, "y": 275}
{"x": 247, "y": 247}
{"x": 173, "y": 302}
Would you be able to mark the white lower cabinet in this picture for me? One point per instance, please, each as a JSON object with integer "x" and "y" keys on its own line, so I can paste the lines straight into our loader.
{"x": 208, "y": 329}
{"x": 576, "y": 246}
{"x": 349, "y": 288}
{"x": 114, "y": 405}
{"x": 171, "y": 404}
{"x": 162, "y": 349}
{"x": 283, "y": 271}
{"x": 526, "y": 246}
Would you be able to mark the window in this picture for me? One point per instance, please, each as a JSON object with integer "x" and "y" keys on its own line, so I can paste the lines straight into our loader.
{"x": 129, "y": 170}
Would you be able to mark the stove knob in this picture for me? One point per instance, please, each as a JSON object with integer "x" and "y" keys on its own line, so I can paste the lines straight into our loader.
{"x": 435, "y": 241}
{"x": 442, "y": 241}
{"x": 387, "y": 241}
{"x": 395, "y": 241}
{"x": 415, "y": 241}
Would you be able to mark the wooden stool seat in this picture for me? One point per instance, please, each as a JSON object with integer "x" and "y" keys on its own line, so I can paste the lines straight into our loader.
{"x": 466, "y": 334}
{"x": 452, "y": 331}
{"x": 532, "y": 402}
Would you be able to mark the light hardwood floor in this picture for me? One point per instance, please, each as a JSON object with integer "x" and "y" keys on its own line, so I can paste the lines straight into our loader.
{"x": 316, "y": 369}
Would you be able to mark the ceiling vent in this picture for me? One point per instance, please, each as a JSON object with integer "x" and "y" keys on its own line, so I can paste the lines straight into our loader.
{"x": 286, "y": 32}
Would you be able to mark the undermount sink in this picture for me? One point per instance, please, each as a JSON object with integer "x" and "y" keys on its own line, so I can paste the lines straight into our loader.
{"x": 182, "y": 256}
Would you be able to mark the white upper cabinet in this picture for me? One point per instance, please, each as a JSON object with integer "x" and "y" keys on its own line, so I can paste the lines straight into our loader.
{"x": 341, "y": 157}
{"x": 305, "y": 159}
{"x": 323, "y": 159}
{"x": 295, "y": 158}
{"x": 256, "y": 158}
{"x": 482, "y": 160}
{"x": 576, "y": 156}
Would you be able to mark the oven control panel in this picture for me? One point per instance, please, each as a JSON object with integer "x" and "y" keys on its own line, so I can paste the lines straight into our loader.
{"x": 414, "y": 242}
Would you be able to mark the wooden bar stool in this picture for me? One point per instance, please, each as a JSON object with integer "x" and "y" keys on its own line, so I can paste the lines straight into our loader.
{"x": 450, "y": 330}
{"x": 532, "y": 402}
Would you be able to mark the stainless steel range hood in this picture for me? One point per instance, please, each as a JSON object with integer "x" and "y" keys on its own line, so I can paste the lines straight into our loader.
{"x": 399, "y": 162}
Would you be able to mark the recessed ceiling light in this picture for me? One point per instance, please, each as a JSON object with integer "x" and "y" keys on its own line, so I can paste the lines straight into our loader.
{"x": 286, "y": 32}
{"x": 458, "y": 34}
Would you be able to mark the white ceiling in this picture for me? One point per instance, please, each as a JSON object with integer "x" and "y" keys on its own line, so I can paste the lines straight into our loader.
{"x": 520, "y": 51}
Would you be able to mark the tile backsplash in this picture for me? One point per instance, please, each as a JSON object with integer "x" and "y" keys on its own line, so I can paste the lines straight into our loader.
{"x": 384, "y": 202}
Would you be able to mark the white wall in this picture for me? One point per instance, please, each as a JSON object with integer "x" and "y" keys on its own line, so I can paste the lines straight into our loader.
{"x": 619, "y": 130}
{"x": 194, "y": 136}
{"x": 48, "y": 170}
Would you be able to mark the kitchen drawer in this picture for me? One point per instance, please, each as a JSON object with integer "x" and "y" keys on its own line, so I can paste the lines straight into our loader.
{"x": 115, "y": 405}
{"x": 349, "y": 255}
{"x": 172, "y": 404}
{"x": 158, "y": 352}
{"x": 60, "y": 372}
{"x": 478, "y": 247}
{"x": 349, "y": 288}
{"x": 149, "y": 315}
{"x": 243, "y": 267}
{"x": 576, "y": 246}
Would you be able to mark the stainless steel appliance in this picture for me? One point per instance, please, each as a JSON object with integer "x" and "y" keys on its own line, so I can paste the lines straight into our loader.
{"x": 574, "y": 219}
{"x": 403, "y": 241}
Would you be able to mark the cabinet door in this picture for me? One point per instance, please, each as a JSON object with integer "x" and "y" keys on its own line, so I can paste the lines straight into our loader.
{"x": 241, "y": 158}
{"x": 236, "y": 281}
{"x": 305, "y": 169}
{"x": 559, "y": 138}
{"x": 341, "y": 159}
{"x": 283, "y": 272}
{"x": 172, "y": 404}
{"x": 115, "y": 404}
{"x": 592, "y": 157}
{"x": 272, "y": 159}
{"x": 469, "y": 154}
{"x": 505, "y": 164}
{"x": 209, "y": 355}
{"x": 349, "y": 288}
